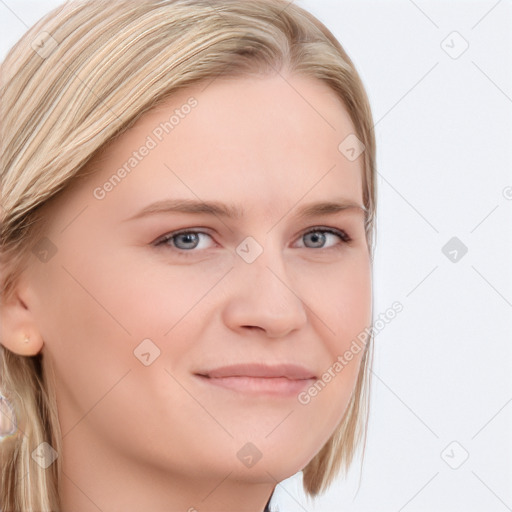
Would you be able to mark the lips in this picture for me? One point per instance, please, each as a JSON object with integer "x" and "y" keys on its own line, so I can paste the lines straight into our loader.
{"x": 288, "y": 371}
{"x": 278, "y": 381}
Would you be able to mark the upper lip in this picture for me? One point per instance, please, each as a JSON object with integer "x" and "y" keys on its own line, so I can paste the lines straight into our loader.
{"x": 290, "y": 371}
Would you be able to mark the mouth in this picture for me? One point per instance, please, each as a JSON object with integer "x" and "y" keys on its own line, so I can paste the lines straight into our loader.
{"x": 276, "y": 380}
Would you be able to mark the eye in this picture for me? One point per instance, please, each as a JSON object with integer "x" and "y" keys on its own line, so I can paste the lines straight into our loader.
{"x": 183, "y": 242}
{"x": 318, "y": 238}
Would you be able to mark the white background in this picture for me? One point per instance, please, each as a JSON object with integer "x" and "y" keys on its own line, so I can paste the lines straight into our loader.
{"x": 443, "y": 367}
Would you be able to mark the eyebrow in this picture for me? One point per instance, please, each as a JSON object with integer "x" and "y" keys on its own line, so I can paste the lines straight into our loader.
{"x": 219, "y": 209}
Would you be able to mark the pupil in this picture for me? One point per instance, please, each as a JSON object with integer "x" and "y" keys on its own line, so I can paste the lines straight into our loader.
{"x": 188, "y": 238}
{"x": 317, "y": 237}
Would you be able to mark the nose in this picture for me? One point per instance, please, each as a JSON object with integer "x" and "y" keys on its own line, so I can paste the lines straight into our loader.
{"x": 262, "y": 296}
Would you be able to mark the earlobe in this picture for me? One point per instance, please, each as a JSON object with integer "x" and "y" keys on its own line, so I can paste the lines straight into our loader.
{"x": 18, "y": 331}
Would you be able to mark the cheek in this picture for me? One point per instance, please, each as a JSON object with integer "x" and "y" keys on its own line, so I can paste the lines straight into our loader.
{"x": 354, "y": 305}
{"x": 88, "y": 349}
{"x": 339, "y": 299}
{"x": 93, "y": 311}
{"x": 341, "y": 304}
{"x": 153, "y": 296}
{"x": 94, "y": 318}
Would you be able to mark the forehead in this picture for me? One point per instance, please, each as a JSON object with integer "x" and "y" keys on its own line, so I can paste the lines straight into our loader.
{"x": 271, "y": 138}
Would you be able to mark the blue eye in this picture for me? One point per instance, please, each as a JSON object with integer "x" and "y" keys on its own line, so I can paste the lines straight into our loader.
{"x": 318, "y": 236}
{"x": 183, "y": 242}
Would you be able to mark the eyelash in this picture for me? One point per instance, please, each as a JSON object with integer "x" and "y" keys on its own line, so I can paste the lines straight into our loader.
{"x": 344, "y": 237}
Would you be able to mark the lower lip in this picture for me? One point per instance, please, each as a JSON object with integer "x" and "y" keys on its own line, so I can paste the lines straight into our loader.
{"x": 277, "y": 386}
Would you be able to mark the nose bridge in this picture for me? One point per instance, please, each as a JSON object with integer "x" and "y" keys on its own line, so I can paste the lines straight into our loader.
{"x": 264, "y": 295}
{"x": 263, "y": 263}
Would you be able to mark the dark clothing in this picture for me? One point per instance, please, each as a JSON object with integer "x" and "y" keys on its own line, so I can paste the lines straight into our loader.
{"x": 267, "y": 506}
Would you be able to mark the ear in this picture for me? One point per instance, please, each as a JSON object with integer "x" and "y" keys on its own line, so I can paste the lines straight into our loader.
{"x": 18, "y": 329}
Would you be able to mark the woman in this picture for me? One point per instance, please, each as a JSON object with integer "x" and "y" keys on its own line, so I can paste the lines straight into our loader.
{"x": 188, "y": 201}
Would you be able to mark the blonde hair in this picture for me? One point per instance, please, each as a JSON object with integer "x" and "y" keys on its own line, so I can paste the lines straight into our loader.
{"x": 104, "y": 64}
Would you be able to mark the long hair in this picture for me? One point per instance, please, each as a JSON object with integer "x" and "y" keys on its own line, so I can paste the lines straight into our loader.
{"x": 83, "y": 75}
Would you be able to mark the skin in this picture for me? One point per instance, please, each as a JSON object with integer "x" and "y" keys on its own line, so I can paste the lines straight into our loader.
{"x": 155, "y": 437}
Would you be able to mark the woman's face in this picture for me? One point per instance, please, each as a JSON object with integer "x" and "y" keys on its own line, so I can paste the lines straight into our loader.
{"x": 136, "y": 325}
